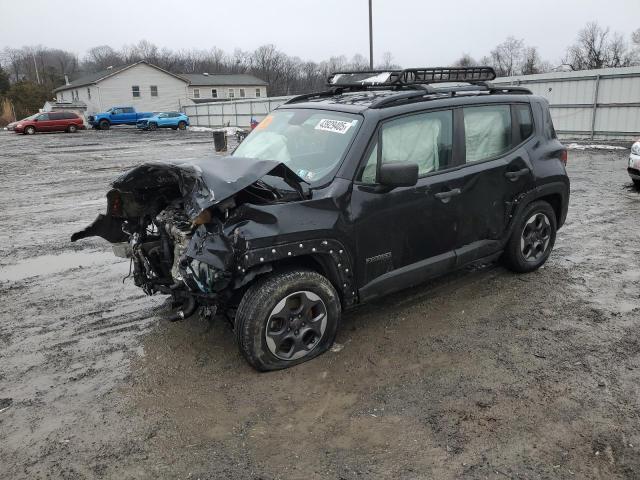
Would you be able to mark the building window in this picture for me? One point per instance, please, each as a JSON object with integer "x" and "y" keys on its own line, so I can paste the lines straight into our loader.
{"x": 232, "y": 93}
{"x": 214, "y": 93}
{"x": 258, "y": 93}
{"x": 242, "y": 93}
{"x": 77, "y": 96}
{"x": 196, "y": 93}
{"x": 154, "y": 90}
{"x": 89, "y": 93}
{"x": 135, "y": 90}
{"x": 61, "y": 96}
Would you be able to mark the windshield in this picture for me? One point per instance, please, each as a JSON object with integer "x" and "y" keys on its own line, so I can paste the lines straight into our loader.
{"x": 309, "y": 142}
{"x": 30, "y": 117}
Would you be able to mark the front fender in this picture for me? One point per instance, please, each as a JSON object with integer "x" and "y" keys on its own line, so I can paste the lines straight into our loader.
{"x": 329, "y": 253}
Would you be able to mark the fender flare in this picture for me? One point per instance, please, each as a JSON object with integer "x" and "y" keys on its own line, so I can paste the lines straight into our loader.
{"x": 519, "y": 204}
{"x": 330, "y": 254}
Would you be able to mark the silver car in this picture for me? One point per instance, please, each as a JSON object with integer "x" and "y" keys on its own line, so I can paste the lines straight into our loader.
{"x": 634, "y": 164}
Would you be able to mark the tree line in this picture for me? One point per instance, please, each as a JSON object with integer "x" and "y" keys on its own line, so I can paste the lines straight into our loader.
{"x": 29, "y": 74}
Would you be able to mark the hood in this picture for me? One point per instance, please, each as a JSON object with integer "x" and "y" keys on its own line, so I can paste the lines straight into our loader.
{"x": 206, "y": 182}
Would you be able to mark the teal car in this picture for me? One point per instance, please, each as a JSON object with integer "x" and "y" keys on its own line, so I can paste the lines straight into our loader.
{"x": 173, "y": 120}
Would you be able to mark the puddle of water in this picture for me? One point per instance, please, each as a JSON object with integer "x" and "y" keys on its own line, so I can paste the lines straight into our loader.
{"x": 49, "y": 264}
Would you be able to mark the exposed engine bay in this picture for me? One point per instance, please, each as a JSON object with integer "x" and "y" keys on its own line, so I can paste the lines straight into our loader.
{"x": 181, "y": 225}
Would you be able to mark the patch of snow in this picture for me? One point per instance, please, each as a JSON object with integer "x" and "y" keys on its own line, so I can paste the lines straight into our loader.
{"x": 579, "y": 146}
{"x": 228, "y": 130}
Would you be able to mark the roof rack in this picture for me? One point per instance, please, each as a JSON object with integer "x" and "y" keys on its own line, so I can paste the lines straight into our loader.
{"x": 411, "y": 76}
{"x": 413, "y": 84}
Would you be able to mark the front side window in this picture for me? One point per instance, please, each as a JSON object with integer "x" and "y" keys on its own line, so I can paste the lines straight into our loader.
{"x": 232, "y": 93}
{"x": 43, "y": 117}
{"x": 128, "y": 110}
{"x": 310, "y": 142}
{"x": 425, "y": 139}
{"x": 154, "y": 90}
{"x": 214, "y": 93}
{"x": 258, "y": 93}
{"x": 487, "y": 131}
{"x": 196, "y": 93}
{"x": 135, "y": 90}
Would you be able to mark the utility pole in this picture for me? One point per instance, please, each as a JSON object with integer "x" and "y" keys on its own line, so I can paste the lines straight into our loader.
{"x": 370, "y": 37}
{"x": 35, "y": 65}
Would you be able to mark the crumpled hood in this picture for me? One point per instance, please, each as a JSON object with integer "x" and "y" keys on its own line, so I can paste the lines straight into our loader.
{"x": 205, "y": 182}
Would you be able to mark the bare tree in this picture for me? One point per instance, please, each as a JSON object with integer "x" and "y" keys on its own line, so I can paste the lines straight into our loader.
{"x": 506, "y": 58}
{"x": 597, "y": 48}
{"x": 465, "y": 60}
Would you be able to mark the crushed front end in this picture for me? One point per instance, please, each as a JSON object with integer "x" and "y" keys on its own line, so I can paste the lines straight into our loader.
{"x": 178, "y": 223}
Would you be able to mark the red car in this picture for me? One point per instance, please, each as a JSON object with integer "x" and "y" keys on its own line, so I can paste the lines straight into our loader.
{"x": 50, "y": 122}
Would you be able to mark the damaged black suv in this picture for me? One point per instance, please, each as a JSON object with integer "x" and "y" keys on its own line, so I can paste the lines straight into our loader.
{"x": 387, "y": 179}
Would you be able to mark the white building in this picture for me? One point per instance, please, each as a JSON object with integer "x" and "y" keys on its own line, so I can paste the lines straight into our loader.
{"x": 205, "y": 87}
{"x": 142, "y": 85}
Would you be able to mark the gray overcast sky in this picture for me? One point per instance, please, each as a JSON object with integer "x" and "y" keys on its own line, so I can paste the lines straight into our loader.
{"x": 416, "y": 32}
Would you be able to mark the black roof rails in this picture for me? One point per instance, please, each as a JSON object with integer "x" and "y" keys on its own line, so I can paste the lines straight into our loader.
{"x": 411, "y": 76}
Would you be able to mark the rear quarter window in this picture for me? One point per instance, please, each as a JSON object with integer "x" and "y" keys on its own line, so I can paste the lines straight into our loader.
{"x": 525, "y": 120}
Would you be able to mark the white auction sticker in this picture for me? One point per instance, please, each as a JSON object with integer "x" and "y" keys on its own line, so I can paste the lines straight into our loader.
{"x": 336, "y": 126}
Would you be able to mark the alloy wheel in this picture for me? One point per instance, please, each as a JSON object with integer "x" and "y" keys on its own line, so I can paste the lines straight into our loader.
{"x": 296, "y": 325}
{"x": 535, "y": 238}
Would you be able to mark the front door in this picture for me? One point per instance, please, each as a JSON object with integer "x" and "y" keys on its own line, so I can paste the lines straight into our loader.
{"x": 44, "y": 124}
{"x": 407, "y": 234}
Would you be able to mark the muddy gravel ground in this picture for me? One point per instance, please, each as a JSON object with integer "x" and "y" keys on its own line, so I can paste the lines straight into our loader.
{"x": 481, "y": 374}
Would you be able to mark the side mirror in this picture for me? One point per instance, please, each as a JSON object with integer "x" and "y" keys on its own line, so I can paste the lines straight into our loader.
{"x": 398, "y": 174}
{"x": 35, "y": 119}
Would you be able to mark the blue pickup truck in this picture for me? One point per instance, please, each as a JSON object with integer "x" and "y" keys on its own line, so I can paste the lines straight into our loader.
{"x": 117, "y": 116}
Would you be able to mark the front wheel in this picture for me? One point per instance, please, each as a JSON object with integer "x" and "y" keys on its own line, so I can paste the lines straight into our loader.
{"x": 182, "y": 125}
{"x": 104, "y": 124}
{"x": 532, "y": 239}
{"x": 287, "y": 318}
{"x": 153, "y": 126}
{"x": 636, "y": 182}
{"x": 30, "y": 130}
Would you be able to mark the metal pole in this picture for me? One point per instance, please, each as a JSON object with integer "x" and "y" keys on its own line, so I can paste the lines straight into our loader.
{"x": 370, "y": 37}
{"x": 36, "y": 65}
{"x": 595, "y": 106}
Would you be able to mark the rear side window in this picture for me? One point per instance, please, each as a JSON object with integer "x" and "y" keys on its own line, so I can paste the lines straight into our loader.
{"x": 425, "y": 139}
{"x": 69, "y": 116}
{"x": 487, "y": 131}
{"x": 56, "y": 116}
{"x": 128, "y": 110}
{"x": 549, "y": 130}
{"x": 525, "y": 120}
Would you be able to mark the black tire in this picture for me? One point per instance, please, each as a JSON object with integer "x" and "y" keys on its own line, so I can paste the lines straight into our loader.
{"x": 256, "y": 314}
{"x": 30, "y": 130}
{"x": 153, "y": 126}
{"x": 182, "y": 125}
{"x": 636, "y": 183}
{"x": 72, "y": 129}
{"x": 105, "y": 124}
{"x": 174, "y": 128}
{"x": 527, "y": 250}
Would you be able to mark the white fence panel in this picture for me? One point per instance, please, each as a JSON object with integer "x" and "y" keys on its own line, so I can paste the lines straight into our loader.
{"x": 597, "y": 104}
{"x": 235, "y": 113}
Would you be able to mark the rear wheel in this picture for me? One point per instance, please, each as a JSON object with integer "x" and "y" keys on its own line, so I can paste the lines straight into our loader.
{"x": 30, "y": 130}
{"x": 72, "y": 129}
{"x": 182, "y": 125}
{"x": 532, "y": 239}
{"x": 104, "y": 124}
{"x": 153, "y": 126}
{"x": 287, "y": 318}
{"x": 636, "y": 182}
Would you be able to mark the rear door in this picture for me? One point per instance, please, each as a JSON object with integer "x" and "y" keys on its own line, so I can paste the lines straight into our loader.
{"x": 497, "y": 168}
{"x": 407, "y": 234}
{"x": 58, "y": 121}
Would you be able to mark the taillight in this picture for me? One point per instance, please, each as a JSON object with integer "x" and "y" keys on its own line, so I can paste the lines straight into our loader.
{"x": 564, "y": 157}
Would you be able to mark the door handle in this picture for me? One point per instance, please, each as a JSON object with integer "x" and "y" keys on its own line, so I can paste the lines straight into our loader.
{"x": 513, "y": 176}
{"x": 444, "y": 197}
